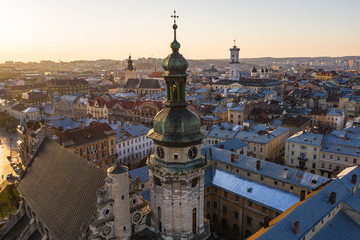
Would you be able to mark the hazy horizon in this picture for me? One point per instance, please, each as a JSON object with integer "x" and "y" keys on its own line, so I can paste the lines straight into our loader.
{"x": 39, "y": 30}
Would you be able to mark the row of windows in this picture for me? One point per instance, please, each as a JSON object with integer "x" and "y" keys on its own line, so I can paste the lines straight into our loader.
{"x": 303, "y": 147}
{"x": 147, "y": 144}
{"x": 338, "y": 158}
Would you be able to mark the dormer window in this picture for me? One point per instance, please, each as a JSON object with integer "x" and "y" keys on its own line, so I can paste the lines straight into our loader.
{"x": 176, "y": 156}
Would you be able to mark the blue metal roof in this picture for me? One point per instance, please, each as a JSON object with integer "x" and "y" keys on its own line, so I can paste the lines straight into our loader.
{"x": 311, "y": 212}
{"x": 308, "y": 138}
{"x": 234, "y": 143}
{"x": 142, "y": 173}
{"x": 272, "y": 198}
{"x": 316, "y": 208}
{"x": 339, "y": 228}
{"x": 268, "y": 169}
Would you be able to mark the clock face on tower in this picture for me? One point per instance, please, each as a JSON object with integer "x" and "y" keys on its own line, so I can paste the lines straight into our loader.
{"x": 160, "y": 152}
{"x": 192, "y": 152}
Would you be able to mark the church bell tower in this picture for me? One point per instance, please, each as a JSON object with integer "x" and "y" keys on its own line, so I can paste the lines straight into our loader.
{"x": 177, "y": 167}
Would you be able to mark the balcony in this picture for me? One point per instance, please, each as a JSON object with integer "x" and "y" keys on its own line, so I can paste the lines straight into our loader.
{"x": 301, "y": 158}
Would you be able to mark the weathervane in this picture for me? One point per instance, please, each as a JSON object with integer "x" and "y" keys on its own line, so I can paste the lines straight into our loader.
{"x": 174, "y": 16}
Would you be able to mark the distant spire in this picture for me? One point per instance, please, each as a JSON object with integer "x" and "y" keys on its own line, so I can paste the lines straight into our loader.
{"x": 235, "y": 42}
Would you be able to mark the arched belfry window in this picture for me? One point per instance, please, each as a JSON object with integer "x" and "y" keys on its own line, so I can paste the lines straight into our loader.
{"x": 175, "y": 92}
{"x": 159, "y": 219}
{"x": 194, "y": 220}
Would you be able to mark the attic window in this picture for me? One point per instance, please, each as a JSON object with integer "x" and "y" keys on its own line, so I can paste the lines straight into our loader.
{"x": 249, "y": 190}
{"x": 314, "y": 181}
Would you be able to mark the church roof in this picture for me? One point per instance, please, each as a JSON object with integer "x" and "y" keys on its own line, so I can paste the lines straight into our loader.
{"x": 60, "y": 188}
{"x": 149, "y": 83}
{"x": 132, "y": 83}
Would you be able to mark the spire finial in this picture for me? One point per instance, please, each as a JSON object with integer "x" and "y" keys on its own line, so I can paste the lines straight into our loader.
{"x": 175, "y": 45}
{"x": 235, "y": 42}
{"x": 174, "y": 16}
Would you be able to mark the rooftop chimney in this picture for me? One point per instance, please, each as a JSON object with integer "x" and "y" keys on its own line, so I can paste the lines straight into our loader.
{"x": 353, "y": 179}
{"x": 266, "y": 221}
{"x": 258, "y": 164}
{"x": 332, "y": 197}
{"x": 232, "y": 157}
{"x": 285, "y": 173}
{"x": 302, "y": 195}
{"x": 222, "y": 146}
{"x": 296, "y": 227}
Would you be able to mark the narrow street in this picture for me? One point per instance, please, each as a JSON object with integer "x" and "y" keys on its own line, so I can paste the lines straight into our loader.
{"x": 5, "y": 147}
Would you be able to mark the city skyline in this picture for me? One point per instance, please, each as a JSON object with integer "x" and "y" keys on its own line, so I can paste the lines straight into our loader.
{"x": 88, "y": 30}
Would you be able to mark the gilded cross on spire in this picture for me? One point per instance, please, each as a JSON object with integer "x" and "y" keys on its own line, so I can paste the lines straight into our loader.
{"x": 174, "y": 16}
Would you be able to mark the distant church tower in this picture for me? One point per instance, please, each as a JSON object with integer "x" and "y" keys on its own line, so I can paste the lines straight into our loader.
{"x": 234, "y": 63}
{"x": 177, "y": 166}
{"x": 254, "y": 72}
{"x": 130, "y": 71}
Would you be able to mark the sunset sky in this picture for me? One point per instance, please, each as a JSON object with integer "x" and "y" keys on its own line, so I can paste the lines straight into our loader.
{"x": 111, "y": 29}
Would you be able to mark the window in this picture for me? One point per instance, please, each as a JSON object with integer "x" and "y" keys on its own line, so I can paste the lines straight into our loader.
{"x": 314, "y": 165}
{"x": 323, "y": 165}
{"x": 225, "y": 194}
{"x": 215, "y": 205}
{"x": 315, "y": 149}
{"x": 236, "y": 214}
{"x": 292, "y": 161}
{"x": 254, "y": 149}
{"x": 261, "y": 150}
{"x": 354, "y": 160}
{"x": 236, "y": 198}
{"x": 248, "y": 220}
{"x": 314, "y": 157}
{"x": 331, "y": 157}
{"x": 208, "y": 204}
{"x": 262, "y": 178}
{"x": 275, "y": 182}
{"x": 324, "y": 155}
{"x": 122, "y": 197}
{"x": 224, "y": 209}
{"x": 248, "y": 174}
{"x": 346, "y": 159}
{"x": 338, "y": 158}
{"x": 330, "y": 166}
{"x": 303, "y": 147}
{"x": 293, "y": 145}
{"x": 250, "y": 204}
{"x": 292, "y": 153}
{"x": 291, "y": 187}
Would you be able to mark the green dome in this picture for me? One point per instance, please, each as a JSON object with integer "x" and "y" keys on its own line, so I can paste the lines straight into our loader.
{"x": 175, "y": 64}
{"x": 176, "y": 125}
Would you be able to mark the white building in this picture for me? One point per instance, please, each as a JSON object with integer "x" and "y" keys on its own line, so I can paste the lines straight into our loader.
{"x": 234, "y": 63}
{"x": 132, "y": 145}
{"x": 302, "y": 151}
